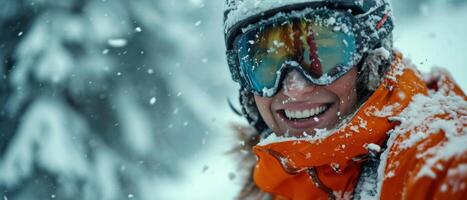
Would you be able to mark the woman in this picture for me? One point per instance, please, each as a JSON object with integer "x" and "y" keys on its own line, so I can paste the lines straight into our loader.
{"x": 338, "y": 113}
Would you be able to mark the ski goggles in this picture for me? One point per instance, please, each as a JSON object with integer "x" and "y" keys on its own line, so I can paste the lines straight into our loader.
{"x": 322, "y": 44}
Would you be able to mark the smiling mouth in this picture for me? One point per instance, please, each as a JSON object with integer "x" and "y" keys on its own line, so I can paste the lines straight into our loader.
{"x": 306, "y": 114}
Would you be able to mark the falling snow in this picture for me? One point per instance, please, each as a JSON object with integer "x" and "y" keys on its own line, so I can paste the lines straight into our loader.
{"x": 86, "y": 54}
{"x": 117, "y": 42}
{"x": 152, "y": 100}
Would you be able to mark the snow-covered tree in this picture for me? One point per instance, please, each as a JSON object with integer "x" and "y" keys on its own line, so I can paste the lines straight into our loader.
{"x": 90, "y": 105}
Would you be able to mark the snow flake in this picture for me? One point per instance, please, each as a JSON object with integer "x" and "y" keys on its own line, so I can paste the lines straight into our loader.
{"x": 20, "y": 34}
{"x": 152, "y": 101}
{"x": 362, "y": 123}
{"x": 335, "y": 167}
{"x": 274, "y": 138}
{"x": 205, "y": 168}
{"x": 138, "y": 29}
{"x": 354, "y": 128}
{"x": 373, "y": 147}
{"x": 345, "y": 43}
{"x": 439, "y": 166}
{"x": 390, "y": 174}
{"x": 444, "y": 188}
{"x": 198, "y": 23}
{"x": 401, "y": 95}
{"x": 117, "y": 42}
{"x": 130, "y": 196}
{"x": 268, "y": 91}
{"x": 331, "y": 21}
{"x": 231, "y": 176}
{"x": 387, "y": 110}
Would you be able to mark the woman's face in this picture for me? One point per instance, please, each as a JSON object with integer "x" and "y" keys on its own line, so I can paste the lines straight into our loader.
{"x": 300, "y": 107}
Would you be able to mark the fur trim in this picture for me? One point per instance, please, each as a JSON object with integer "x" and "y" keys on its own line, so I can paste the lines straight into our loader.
{"x": 248, "y": 137}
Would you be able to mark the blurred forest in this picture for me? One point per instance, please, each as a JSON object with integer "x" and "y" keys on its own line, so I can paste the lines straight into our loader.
{"x": 93, "y": 103}
{"x": 118, "y": 99}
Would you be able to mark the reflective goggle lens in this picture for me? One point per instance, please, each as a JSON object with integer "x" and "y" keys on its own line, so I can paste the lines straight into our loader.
{"x": 321, "y": 50}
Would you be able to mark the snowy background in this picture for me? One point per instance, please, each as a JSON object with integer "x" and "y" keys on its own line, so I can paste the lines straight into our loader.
{"x": 117, "y": 99}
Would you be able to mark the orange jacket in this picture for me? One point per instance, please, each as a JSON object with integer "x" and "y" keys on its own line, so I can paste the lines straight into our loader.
{"x": 424, "y": 131}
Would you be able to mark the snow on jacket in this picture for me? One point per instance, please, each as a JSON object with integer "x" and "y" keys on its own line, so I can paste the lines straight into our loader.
{"x": 414, "y": 126}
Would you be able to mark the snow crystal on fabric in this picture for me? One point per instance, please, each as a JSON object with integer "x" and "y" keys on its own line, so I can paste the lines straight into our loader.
{"x": 419, "y": 121}
{"x": 421, "y": 111}
{"x": 448, "y": 150}
{"x": 320, "y": 134}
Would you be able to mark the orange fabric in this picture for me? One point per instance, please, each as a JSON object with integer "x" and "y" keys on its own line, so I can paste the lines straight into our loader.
{"x": 403, "y": 167}
{"x": 332, "y": 156}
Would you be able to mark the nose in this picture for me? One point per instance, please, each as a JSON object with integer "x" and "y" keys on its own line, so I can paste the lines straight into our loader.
{"x": 295, "y": 85}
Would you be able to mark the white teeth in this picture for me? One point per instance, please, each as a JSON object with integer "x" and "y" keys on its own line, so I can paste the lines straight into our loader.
{"x": 304, "y": 113}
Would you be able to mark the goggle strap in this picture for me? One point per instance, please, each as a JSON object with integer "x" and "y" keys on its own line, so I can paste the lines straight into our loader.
{"x": 234, "y": 65}
{"x": 382, "y": 27}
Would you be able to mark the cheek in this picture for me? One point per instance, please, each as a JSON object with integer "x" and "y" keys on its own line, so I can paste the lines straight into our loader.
{"x": 264, "y": 107}
{"x": 346, "y": 89}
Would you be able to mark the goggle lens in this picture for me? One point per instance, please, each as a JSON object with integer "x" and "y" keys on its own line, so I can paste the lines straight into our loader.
{"x": 322, "y": 51}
